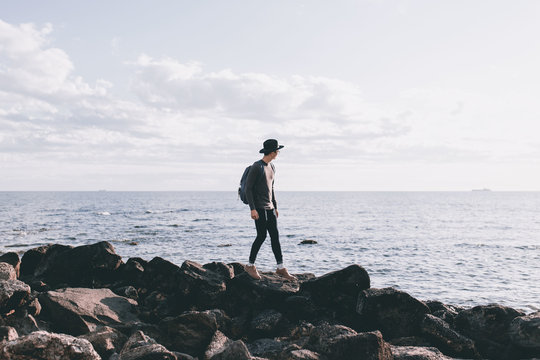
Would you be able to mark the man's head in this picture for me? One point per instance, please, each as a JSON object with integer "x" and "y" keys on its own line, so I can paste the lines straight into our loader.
{"x": 270, "y": 146}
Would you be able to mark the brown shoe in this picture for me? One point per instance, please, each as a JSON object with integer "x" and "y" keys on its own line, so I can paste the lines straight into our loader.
{"x": 284, "y": 273}
{"x": 252, "y": 271}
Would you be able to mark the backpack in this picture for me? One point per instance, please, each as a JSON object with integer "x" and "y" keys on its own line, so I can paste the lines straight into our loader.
{"x": 243, "y": 180}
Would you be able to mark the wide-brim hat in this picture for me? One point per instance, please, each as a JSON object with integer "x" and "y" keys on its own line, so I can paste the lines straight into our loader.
{"x": 270, "y": 145}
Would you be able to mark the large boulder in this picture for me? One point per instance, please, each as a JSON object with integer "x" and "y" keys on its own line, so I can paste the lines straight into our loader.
{"x": 57, "y": 265}
{"x": 237, "y": 350}
{"x": 141, "y": 347}
{"x": 78, "y": 311}
{"x": 13, "y": 294}
{"x": 200, "y": 287}
{"x": 7, "y": 272}
{"x": 245, "y": 294}
{"x": 393, "y": 312}
{"x": 525, "y": 331}
{"x": 448, "y": 340}
{"x": 342, "y": 343}
{"x": 41, "y": 345}
{"x": 488, "y": 326}
{"x": 267, "y": 323}
{"x": 218, "y": 343}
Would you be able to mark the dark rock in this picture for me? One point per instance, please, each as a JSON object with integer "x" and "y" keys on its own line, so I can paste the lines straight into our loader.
{"x": 127, "y": 291}
{"x": 308, "y": 242}
{"x": 245, "y": 294}
{"x": 7, "y": 272}
{"x": 226, "y": 271}
{"x": 106, "y": 341}
{"x": 189, "y": 333}
{"x": 417, "y": 353}
{"x": 78, "y": 311}
{"x": 411, "y": 341}
{"x": 41, "y": 345}
{"x": 267, "y": 348}
{"x": 160, "y": 274}
{"x": 8, "y": 333}
{"x": 301, "y": 354}
{"x": 447, "y": 340}
{"x": 141, "y": 347}
{"x": 393, "y": 312}
{"x": 237, "y": 267}
{"x": 299, "y": 307}
{"x": 13, "y": 293}
{"x": 155, "y": 307}
{"x": 131, "y": 273}
{"x": 237, "y": 350}
{"x": 87, "y": 265}
{"x": 488, "y": 326}
{"x": 12, "y": 259}
{"x": 23, "y": 322}
{"x": 525, "y": 331}
{"x": 342, "y": 343}
{"x": 445, "y": 312}
{"x": 267, "y": 323}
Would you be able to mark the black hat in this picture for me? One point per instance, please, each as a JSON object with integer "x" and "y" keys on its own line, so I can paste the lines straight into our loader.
{"x": 270, "y": 145}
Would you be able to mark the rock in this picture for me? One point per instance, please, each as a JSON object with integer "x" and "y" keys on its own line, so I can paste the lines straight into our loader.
{"x": 8, "y": 333}
{"x": 78, "y": 311}
{"x": 106, "y": 341}
{"x": 226, "y": 271}
{"x": 131, "y": 273}
{"x": 218, "y": 343}
{"x": 308, "y": 242}
{"x": 237, "y": 350}
{"x": 267, "y": 348}
{"x": 141, "y": 347}
{"x": 23, "y": 322}
{"x": 13, "y": 294}
{"x": 446, "y": 339}
{"x": 127, "y": 291}
{"x": 445, "y": 312}
{"x": 302, "y": 354}
{"x": 33, "y": 306}
{"x": 160, "y": 274}
{"x": 393, "y": 312}
{"x": 417, "y": 353}
{"x": 488, "y": 326}
{"x": 189, "y": 333}
{"x": 41, "y": 345}
{"x": 12, "y": 259}
{"x": 266, "y": 323}
{"x": 299, "y": 307}
{"x": 245, "y": 294}
{"x": 7, "y": 272}
{"x": 525, "y": 331}
{"x": 342, "y": 343}
{"x": 87, "y": 265}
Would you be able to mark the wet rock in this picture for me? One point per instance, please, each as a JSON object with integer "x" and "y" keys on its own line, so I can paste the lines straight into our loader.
{"x": 106, "y": 341}
{"x": 488, "y": 326}
{"x": 308, "y": 242}
{"x": 41, "y": 345}
{"x": 8, "y": 333}
{"x": 12, "y": 259}
{"x": 13, "y": 293}
{"x": 393, "y": 312}
{"x": 189, "y": 333}
{"x": 525, "y": 331}
{"x": 141, "y": 347}
{"x": 78, "y": 311}
{"x": 7, "y": 272}
{"x": 237, "y": 350}
{"x": 448, "y": 340}
{"x": 267, "y": 323}
{"x": 417, "y": 353}
{"x": 340, "y": 343}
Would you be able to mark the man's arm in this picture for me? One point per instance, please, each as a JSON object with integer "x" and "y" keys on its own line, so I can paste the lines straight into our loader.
{"x": 250, "y": 183}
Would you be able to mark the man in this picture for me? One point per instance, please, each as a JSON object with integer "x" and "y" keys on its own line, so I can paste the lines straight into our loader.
{"x": 263, "y": 206}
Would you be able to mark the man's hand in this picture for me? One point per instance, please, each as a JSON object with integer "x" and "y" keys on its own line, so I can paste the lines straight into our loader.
{"x": 277, "y": 213}
{"x": 254, "y": 215}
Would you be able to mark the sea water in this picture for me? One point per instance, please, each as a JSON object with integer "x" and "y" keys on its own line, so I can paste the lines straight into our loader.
{"x": 461, "y": 248}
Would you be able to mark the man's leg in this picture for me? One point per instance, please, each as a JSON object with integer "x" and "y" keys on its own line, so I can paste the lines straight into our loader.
{"x": 271, "y": 225}
{"x": 260, "y": 225}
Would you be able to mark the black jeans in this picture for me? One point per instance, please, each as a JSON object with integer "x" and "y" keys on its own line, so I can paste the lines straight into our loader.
{"x": 267, "y": 222}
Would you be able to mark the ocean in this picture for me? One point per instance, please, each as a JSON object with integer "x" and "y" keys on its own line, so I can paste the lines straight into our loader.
{"x": 461, "y": 248}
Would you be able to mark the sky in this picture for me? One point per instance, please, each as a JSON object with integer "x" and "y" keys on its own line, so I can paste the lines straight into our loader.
{"x": 366, "y": 95}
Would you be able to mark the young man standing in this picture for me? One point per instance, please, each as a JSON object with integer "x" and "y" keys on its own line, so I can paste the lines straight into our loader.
{"x": 263, "y": 206}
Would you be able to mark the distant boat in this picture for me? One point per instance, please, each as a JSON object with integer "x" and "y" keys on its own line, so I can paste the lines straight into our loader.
{"x": 484, "y": 189}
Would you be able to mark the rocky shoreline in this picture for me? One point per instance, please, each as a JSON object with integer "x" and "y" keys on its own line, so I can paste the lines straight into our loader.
{"x": 63, "y": 302}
